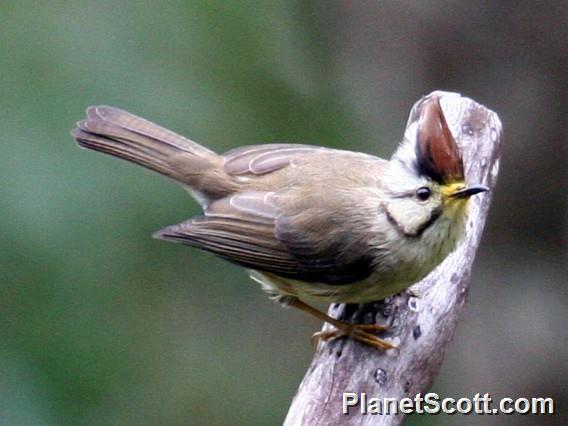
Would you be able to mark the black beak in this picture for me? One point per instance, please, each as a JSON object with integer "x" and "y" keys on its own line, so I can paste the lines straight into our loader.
{"x": 469, "y": 191}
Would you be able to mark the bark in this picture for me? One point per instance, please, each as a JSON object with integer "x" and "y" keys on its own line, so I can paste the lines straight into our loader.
{"x": 422, "y": 320}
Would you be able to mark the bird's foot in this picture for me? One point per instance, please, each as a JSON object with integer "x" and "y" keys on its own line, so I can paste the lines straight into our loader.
{"x": 360, "y": 332}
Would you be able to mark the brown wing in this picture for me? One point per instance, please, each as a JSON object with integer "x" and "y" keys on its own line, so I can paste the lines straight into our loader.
{"x": 239, "y": 228}
{"x": 262, "y": 159}
{"x": 259, "y": 231}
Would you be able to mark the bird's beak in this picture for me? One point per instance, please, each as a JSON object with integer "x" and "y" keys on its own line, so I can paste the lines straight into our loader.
{"x": 469, "y": 191}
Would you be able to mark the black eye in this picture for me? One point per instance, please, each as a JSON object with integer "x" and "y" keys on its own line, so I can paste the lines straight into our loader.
{"x": 423, "y": 193}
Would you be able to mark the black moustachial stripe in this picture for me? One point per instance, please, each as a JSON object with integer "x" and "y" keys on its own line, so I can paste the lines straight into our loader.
{"x": 433, "y": 216}
{"x": 436, "y": 213}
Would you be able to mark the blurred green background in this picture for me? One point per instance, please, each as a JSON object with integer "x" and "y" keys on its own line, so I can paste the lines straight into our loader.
{"x": 101, "y": 324}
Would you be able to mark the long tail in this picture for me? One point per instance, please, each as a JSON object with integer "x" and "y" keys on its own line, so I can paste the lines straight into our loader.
{"x": 124, "y": 135}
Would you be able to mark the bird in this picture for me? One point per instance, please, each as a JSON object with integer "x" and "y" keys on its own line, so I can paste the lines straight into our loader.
{"x": 309, "y": 223}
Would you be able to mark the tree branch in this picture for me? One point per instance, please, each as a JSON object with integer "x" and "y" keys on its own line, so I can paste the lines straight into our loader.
{"x": 421, "y": 321}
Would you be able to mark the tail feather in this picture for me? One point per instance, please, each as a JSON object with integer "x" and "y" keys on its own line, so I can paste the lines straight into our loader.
{"x": 124, "y": 135}
{"x": 121, "y": 149}
{"x": 131, "y": 124}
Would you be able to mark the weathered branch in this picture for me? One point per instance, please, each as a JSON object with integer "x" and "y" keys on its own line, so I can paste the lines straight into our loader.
{"x": 421, "y": 321}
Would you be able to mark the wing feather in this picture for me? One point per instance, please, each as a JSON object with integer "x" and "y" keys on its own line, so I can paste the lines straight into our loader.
{"x": 262, "y": 159}
{"x": 256, "y": 230}
{"x": 239, "y": 228}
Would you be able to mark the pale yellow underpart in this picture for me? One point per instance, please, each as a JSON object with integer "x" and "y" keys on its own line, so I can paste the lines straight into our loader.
{"x": 417, "y": 258}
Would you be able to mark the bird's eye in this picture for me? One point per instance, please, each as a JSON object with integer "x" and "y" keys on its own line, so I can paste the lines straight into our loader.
{"x": 423, "y": 193}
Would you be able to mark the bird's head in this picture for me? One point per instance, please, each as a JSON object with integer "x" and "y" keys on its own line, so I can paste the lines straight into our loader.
{"x": 425, "y": 180}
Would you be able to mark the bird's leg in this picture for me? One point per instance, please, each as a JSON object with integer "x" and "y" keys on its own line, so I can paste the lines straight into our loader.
{"x": 359, "y": 332}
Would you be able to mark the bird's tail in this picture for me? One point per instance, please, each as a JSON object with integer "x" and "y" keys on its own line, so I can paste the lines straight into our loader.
{"x": 124, "y": 135}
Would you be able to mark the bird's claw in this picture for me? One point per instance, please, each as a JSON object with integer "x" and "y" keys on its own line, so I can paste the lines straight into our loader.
{"x": 360, "y": 332}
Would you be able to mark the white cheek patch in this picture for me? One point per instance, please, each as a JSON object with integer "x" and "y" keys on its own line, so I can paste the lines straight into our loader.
{"x": 410, "y": 218}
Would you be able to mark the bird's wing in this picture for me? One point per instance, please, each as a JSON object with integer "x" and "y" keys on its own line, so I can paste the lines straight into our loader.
{"x": 262, "y": 159}
{"x": 264, "y": 231}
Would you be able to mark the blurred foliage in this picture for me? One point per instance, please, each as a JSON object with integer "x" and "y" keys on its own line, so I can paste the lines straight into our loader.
{"x": 103, "y": 325}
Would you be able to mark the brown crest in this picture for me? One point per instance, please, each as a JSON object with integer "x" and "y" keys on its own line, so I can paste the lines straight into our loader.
{"x": 437, "y": 153}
